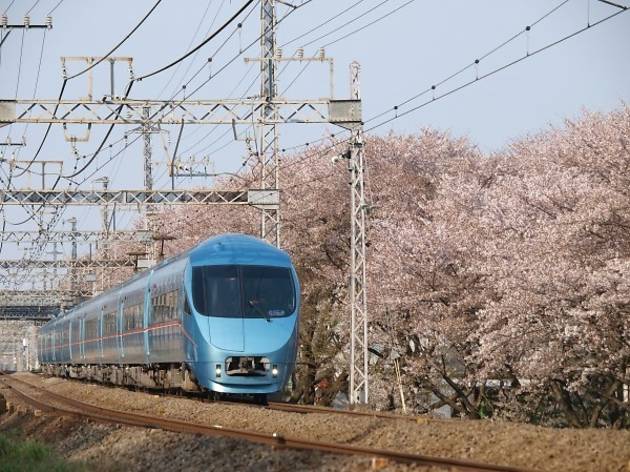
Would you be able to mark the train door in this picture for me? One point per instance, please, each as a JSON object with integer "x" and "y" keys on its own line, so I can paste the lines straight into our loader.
{"x": 66, "y": 342}
{"x": 121, "y": 327}
{"x": 70, "y": 340}
{"x": 42, "y": 346}
{"x": 100, "y": 335}
{"x": 54, "y": 344}
{"x": 82, "y": 338}
{"x": 146, "y": 319}
{"x": 187, "y": 320}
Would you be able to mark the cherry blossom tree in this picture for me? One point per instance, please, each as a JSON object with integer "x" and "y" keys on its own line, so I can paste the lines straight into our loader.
{"x": 499, "y": 282}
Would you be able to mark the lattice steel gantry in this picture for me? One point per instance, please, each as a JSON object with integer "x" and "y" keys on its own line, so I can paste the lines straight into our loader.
{"x": 268, "y": 156}
{"x": 358, "y": 388}
{"x": 265, "y": 113}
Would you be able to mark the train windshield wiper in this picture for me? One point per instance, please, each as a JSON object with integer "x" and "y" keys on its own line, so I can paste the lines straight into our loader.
{"x": 254, "y": 305}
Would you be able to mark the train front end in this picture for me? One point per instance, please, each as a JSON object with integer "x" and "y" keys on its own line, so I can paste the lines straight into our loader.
{"x": 243, "y": 296}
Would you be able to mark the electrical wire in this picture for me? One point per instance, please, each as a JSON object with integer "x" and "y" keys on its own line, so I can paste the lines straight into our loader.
{"x": 324, "y": 23}
{"x": 192, "y": 40}
{"x": 492, "y": 72}
{"x": 151, "y": 74}
{"x": 32, "y": 8}
{"x": 7, "y": 8}
{"x": 67, "y": 79}
{"x": 224, "y": 67}
{"x": 41, "y": 208}
{"x": 450, "y": 92}
{"x": 347, "y": 23}
{"x": 216, "y": 51}
{"x": 214, "y": 19}
{"x": 120, "y": 43}
{"x": 460, "y": 71}
{"x": 201, "y": 44}
{"x": 55, "y": 7}
{"x": 373, "y": 22}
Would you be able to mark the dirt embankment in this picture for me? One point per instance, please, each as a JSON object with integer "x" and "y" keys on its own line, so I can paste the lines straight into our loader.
{"x": 111, "y": 448}
{"x": 526, "y": 446}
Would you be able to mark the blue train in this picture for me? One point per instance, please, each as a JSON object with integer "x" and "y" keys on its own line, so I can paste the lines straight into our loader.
{"x": 221, "y": 317}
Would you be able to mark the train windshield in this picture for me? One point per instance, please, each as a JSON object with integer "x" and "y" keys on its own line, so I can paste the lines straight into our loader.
{"x": 249, "y": 291}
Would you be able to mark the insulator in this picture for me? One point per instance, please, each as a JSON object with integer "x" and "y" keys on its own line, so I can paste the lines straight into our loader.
{"x": 27, "y": 21}
{"x": 300, "y": 53}
{"x": 4, "y": 21}
{"x": 278, "y": 53}
{"x": 48, "y": 22}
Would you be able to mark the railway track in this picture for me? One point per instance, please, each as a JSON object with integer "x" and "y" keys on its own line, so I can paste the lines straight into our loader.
{"x": 288, "y": 407}
{"x": 307, "y": 409}
{"x": 53, "y": 403}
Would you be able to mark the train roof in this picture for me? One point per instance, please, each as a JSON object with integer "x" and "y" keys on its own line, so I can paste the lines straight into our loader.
{"x": 237, "y": 249}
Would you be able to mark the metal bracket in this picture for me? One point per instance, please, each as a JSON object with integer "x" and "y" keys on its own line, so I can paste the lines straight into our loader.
{"x": 345, "y": 113}
{"x": 264, "y": 199}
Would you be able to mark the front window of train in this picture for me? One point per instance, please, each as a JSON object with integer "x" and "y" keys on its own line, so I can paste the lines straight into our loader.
{"x": 248, "y": 291}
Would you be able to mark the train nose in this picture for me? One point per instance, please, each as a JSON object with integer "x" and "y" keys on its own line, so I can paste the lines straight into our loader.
{"x": 227, "y": 334}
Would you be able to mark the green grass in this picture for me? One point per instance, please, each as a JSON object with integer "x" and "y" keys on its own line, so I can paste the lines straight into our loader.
{"x": 31, "y": 456}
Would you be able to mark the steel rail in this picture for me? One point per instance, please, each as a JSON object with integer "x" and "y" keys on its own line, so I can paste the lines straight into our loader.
{"x": 294, "y": 408}
{"x": 275, "y": 440}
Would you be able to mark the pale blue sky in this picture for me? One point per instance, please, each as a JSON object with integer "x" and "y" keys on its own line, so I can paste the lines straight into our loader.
{"x": 406, "y": 52}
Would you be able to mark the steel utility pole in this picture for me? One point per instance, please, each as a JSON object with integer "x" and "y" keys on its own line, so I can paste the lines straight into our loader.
{"x": 358, "y": 289}
{"x": 149, "y": 216}
{"x": 146, "y": 136}
{"x": 74, "y": 254}
{"x": 268, "y": 129}
{"x": 266, "y": 113}
{"x": 105, "y": 228}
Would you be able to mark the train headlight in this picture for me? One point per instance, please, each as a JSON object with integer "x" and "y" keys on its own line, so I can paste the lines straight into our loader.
{"x": 274, "y": 370}
{"x": 217, "y": 370}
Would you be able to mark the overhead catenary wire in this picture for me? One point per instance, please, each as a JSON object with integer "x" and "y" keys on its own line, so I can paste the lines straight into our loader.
{"x": 373, "y": 22}
{"x": 66, "y": 80}
{"x": 32, "y": 8}
{"x": 347, "y": 23}
{"x": 399, "y": 115}
{"x": 495, "y": 71}
{"x": 201, "y": 44}
{"x": 323, "y": 23}
{"x": 228, "y": 131}
{"x": 120, "y": 43}
{"x": 151, "y": 74}
{"x": 247, "y": 90}
{"x": 192, "y": 40}
{"x": 55, "y": 7}
{"x": 451, "y": 76}
{"x": 224, "y": 67}
{"x": 214, "y": 19}
{"x": 10, "y": 176}
{"x": 8, "y": 7}
{"x": 183, "y": 87}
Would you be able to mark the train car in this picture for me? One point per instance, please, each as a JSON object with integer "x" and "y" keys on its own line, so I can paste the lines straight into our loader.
{"x": 221, "y": 317}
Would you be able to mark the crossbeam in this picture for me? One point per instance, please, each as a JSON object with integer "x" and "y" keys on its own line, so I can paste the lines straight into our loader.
{"x": 257, "y": 198}
{"x": 69, "y": 236}
{"x": 66, "y": 264}
{"x": 34, "y": 312}
{"x": 192, "y": 112}
{"x": 52, "y": 297}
